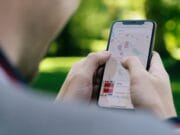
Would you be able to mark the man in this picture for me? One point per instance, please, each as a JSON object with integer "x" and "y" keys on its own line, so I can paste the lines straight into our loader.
{"x": 26, "y": 29}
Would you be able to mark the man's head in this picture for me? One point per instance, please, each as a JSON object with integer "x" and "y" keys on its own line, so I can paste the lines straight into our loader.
{"x": 28, "y": 27}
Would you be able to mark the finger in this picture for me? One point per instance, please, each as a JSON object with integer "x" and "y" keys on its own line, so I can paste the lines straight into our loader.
{"x": 95, "y": 92}
{"x": 156, "y": 63}
{"x": 100, "y": 72}
{"x": 96, "y": 74}
{"x": 133, "y": 65}
{"x": 99, "y": 75}
{"x": 96, "y": 80}
{"x": 94, "y": 60}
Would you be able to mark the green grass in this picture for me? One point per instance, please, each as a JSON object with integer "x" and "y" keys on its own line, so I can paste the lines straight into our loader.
{"x": 53, "y": 72}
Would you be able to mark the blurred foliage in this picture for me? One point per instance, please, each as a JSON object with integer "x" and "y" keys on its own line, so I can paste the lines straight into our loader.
{"x": 88, "y": 29}
{"x": 167, "y": 15}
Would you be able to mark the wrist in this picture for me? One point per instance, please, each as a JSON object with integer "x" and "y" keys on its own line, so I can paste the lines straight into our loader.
{"x": 164, "y": 112}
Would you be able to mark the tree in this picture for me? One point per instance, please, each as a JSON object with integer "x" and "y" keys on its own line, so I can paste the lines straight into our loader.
{"x": 163, "y": 11}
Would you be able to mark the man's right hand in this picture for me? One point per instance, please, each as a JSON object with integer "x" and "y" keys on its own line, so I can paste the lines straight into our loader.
{"x": 151, "y": 89}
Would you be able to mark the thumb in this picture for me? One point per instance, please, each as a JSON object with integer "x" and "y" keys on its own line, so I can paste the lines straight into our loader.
{"x": 133, "y": 65}
{"x": 94, "y": 60}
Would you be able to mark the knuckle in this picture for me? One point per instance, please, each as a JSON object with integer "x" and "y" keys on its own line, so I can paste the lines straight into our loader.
{"x": 78, "y": 71}
{"x": 91, "y": 55}
{"x": 79, "y": 75}
{"x": 82, "y": 75}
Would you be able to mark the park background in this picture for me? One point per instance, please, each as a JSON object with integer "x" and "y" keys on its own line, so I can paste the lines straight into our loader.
{"x": 88, "y": 31}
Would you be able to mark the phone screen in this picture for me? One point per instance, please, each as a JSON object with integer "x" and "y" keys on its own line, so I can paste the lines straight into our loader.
{"x": 126, "y": 39}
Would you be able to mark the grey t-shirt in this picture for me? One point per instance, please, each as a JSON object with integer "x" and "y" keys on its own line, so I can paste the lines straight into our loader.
{"x": 22, "y": 113}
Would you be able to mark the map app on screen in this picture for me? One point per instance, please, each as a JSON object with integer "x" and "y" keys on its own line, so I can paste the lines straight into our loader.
{"x": 125, "y": 40}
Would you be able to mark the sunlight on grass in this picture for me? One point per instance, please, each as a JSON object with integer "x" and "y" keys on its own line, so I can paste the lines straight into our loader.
{"x": 58, "y": 63}
{"x": 98, "y": 45}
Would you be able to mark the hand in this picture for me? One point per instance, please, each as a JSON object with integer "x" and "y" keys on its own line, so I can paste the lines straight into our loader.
{"x": 80, "y": 82}
{"x": 150, "y": 89}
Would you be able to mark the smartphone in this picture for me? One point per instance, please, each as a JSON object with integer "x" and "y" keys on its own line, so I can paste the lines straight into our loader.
{"x": 127, "y": 38}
